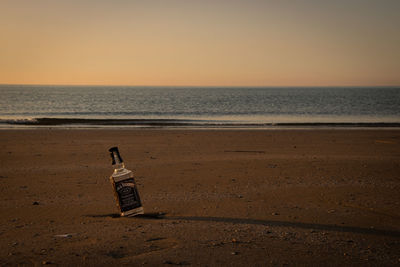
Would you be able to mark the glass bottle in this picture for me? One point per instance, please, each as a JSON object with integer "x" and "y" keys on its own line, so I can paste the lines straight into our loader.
{"x": 125, "y": 189}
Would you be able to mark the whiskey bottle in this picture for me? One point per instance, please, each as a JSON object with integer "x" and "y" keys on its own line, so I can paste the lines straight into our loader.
{"x": 125, "y": 189}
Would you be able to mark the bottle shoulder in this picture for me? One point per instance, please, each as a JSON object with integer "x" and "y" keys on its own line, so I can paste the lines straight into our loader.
{"x": 121, "y": 174}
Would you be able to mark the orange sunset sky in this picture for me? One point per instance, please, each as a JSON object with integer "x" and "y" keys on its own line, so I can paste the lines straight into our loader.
{"x": 200, "y": 43}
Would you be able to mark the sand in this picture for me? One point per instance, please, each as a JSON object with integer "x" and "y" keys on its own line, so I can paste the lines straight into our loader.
{"x": 211, "y": 197}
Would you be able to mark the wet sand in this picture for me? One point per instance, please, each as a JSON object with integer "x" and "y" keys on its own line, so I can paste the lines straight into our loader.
{"x": 211, "y": 197}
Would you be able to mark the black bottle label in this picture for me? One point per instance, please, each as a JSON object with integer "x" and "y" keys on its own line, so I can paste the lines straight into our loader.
{"x": 128, "y": 195}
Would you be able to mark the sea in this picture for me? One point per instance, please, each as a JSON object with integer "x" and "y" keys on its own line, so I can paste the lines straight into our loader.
{"x": 23, "y": 106}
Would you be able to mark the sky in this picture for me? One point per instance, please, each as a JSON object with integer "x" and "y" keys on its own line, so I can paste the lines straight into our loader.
{"x": 200, "y": 43}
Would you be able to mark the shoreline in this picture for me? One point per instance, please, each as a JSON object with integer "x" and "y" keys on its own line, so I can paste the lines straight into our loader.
{"x": 190, "y": 128}
{"x": 182, "y": 123}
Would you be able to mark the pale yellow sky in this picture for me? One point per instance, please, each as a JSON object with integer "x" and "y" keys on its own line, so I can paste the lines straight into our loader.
{"x": 229, "y": 43}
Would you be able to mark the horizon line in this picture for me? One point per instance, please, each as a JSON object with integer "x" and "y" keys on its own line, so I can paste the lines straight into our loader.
{"x": 202, "y": 86}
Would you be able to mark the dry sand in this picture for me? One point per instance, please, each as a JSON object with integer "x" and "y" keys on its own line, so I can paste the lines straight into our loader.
{"x": 231, "y": 197}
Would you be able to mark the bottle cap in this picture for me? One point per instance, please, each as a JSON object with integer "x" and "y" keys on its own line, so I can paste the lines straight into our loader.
{"x": 115, "y": 156}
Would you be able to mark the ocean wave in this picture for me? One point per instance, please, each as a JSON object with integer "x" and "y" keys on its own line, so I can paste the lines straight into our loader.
{"x": 182, "y": 123}
{"x": 23, "y": 121}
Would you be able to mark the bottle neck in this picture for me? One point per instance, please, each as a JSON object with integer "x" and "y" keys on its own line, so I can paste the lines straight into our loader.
{"x": 117, "y": 161}
{"x": 119, "y": 167}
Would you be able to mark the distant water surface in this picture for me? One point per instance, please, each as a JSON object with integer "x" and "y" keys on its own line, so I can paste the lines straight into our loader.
{"x": 111, "y": 105}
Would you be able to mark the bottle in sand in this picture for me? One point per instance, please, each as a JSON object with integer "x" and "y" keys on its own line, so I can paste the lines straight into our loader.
{"x": 125, "y": 189}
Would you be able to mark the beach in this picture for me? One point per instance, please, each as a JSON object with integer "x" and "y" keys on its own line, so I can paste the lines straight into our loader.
{"x": 212, "y": 197}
